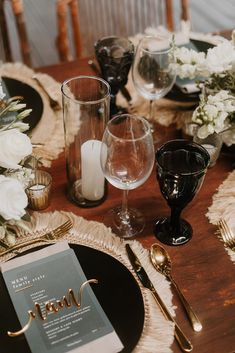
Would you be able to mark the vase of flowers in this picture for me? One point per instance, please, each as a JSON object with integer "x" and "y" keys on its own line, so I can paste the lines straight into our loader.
{"x": 15, "y": 147}
{"x": 213, "y": 144}
{"x": 215, "y": 113}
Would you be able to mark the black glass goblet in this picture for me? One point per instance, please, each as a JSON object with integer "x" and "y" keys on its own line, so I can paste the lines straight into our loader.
{"x": 181, "y": 167}
{"x": 115, "y": 56}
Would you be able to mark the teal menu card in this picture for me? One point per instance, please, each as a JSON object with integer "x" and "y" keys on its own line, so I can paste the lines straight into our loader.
{"x": 44, "y": 282}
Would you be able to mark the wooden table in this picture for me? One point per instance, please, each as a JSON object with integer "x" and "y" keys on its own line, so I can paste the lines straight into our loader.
{"x": 202, "y": 267}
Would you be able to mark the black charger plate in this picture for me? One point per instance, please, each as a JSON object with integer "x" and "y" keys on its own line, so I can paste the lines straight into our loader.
{"x": 118, "y": 293}
{"x": 32, "y": 99}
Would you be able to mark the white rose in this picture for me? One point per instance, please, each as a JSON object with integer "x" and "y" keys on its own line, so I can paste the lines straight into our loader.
{"x": 13, "y": 198}
{"x": 220, "y": 58}
{"x": 14, "y": 146}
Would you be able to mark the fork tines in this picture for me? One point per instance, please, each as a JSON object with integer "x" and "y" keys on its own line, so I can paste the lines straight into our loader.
{"x": 59, "y": 231}
{"x": 227, "y": 236}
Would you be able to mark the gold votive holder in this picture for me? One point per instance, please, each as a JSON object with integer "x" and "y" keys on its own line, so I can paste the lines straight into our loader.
{"x": 39, "y": 191}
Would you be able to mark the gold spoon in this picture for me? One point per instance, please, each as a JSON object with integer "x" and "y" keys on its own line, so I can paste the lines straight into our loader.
{"x": 162, "y": 263}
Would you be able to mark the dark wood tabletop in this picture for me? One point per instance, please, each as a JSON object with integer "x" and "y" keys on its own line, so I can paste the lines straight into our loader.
{"x": 202, "y": 267}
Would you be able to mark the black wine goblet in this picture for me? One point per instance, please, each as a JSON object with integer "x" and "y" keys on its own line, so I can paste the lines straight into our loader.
{"x": 115, "y": 56}
{"x": 181, "y": 167}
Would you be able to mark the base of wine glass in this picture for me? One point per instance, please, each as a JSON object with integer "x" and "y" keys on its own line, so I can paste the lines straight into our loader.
{"x": 125, "y": 226}
{"x": 163, "y": 232}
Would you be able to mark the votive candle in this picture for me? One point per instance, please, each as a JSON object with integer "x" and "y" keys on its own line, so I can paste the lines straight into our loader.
{"x": 39, "y": 191}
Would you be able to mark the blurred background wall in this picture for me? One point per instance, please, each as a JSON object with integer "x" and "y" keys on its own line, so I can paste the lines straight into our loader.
{"x": 40, "y": 18}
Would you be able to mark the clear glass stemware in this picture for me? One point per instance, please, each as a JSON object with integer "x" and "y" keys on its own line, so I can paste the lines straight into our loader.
{"x": 152, "y": 73}
{"x": 127, "y": 158}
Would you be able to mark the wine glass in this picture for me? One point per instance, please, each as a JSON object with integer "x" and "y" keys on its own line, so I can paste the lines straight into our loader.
{"x": 152, "y": 73}
{"x": 127, "y": 158}
{"x": 181, "y": 166}
{"x": 115, "y": 56}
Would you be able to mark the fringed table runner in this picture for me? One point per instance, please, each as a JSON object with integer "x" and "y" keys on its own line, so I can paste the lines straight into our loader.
{"x": 223, "y": 206}
{"x": 158, "y": 333}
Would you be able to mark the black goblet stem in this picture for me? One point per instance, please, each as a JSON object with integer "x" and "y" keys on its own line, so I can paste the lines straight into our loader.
{"x": 175, "y": 220}
{"x": 113, "y": 106}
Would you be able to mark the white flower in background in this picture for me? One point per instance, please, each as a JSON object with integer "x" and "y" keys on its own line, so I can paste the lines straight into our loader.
{"x": 216, "y": 110}
{"x": 14, "y": 146}
{"x": 190, "y": 63}
{"x": 13, "y": 198}
{"x": 187, "y": 62}
{"x": 218, "y": 59}
{"x": 212, "y": 114}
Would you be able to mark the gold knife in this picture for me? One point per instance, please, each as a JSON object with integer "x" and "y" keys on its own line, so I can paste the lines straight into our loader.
{"x": 183, "y": 341}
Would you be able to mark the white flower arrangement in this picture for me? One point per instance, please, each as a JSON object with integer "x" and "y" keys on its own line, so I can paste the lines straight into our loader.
{"x": 216, "y": 110}
{"x": 15, "y": 146}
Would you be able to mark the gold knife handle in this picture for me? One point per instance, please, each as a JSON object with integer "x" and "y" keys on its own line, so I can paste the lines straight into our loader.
{"x": 196, "y": 324}
{"x": 183, "y": 341}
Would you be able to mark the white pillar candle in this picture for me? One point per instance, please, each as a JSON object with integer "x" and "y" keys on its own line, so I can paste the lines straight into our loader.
{"x": 92, "y": 175}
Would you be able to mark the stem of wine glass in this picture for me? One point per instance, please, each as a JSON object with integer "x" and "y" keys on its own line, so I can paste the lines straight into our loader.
{"x": 175, "y": 220}
{"x": 150, "y": 110}
{"x": 124, "y": 211}
{"x": 153, "y": 125}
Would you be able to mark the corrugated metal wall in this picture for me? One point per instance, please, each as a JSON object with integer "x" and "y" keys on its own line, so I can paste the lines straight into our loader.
{"x": 206, "y": 16}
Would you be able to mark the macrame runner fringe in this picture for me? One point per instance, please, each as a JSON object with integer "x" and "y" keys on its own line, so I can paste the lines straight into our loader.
{"x": 223, "y": 206}
{"x": 158, "y": 333}
{"x": 165, "y": 111}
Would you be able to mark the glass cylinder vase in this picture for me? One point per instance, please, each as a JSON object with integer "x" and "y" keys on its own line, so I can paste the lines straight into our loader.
{"x": 86, "y": 106}
{"x": 213, "y": 144}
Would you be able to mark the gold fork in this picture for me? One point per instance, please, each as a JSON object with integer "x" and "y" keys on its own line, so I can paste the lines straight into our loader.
{"x": 46, "y": 238}
{"x": 226, "y": 234}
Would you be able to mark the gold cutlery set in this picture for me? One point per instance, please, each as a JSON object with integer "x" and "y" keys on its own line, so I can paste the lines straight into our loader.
{"x": 182, "y": 340}
{"x": 159, "y": 259}
{"x": 162, "y": 263}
